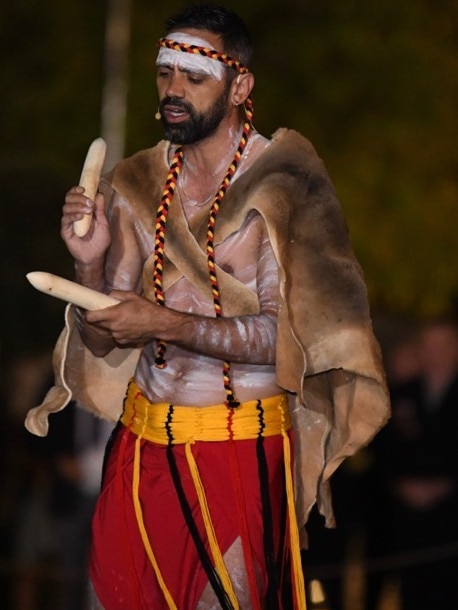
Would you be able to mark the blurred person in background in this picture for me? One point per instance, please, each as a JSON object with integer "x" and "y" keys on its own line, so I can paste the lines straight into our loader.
{"x": 415, "y": 475}
{"x": 76, "y": 450}
{"x": 61, "y": 476}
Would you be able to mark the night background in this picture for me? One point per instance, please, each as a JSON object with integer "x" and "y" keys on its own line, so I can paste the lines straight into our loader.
{"x": 373, "y": 85}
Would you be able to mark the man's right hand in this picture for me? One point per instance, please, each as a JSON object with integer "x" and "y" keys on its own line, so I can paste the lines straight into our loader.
{"x": 90, "y": 248}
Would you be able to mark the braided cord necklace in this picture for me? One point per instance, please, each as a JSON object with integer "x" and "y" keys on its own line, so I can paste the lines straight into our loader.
{"x": 159, "y": 241}
{"x": 164, "y": 205}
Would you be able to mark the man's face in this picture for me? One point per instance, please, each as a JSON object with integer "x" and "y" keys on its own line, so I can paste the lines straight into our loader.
{"x": 184, "y": 124}
{"x": 193, "y": 92}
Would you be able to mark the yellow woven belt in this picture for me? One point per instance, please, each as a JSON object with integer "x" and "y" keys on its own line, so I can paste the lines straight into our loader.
{"x": 160, "y": 422}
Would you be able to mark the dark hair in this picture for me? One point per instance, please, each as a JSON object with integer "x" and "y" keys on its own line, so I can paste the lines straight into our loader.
{"x": 235, "y": 37}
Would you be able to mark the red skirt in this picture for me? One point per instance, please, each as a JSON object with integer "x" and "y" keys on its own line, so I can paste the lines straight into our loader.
{"x": 121, "y": 570}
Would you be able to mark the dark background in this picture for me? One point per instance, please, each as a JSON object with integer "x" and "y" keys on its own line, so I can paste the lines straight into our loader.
{"x": 372, "y": 84}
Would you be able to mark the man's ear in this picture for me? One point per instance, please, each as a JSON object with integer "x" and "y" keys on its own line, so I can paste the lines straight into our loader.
{"x": 241, "y": 88}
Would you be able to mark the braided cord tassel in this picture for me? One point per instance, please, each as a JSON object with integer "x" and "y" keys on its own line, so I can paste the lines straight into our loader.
{"x": 161, "y": 220}
{"x": 231, "y": 399}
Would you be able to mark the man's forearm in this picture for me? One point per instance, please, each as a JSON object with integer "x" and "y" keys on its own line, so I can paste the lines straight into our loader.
{"x": 244, "y": 339}
{"x": 91, "y": 276}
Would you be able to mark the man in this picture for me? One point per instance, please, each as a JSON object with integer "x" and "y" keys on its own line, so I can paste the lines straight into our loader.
{"x": 415, "y": 472}
{"x": 240, "y": 292}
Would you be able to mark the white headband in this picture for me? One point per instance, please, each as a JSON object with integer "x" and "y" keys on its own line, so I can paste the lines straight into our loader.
{"x": 190, "y": 61}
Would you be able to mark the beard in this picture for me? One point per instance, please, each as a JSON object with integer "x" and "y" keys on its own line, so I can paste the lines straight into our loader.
{"x": 199, "y": 125}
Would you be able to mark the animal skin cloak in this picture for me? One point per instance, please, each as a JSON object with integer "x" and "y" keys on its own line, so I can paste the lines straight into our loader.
{"x": 327, "y": 355}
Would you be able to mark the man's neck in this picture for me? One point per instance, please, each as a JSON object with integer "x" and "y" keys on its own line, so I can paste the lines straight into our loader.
{"x": 212, "y": 155}
{"x": 205, "y": 166}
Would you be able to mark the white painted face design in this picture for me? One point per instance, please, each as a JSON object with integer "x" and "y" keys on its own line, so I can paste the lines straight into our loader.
{"x": 190, "y": 61}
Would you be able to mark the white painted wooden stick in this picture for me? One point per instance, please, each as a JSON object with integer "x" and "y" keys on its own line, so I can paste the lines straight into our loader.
{"x": 70, "y": 291}
{"x": 90, "y": 178}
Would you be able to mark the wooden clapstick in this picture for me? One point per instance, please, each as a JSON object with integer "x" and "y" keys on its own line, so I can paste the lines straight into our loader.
{"x": 70, "y": 291}
{"x": 90, "y": 178}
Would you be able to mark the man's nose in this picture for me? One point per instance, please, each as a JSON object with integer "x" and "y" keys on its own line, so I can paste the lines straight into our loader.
{"x": 175, "y": 87}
